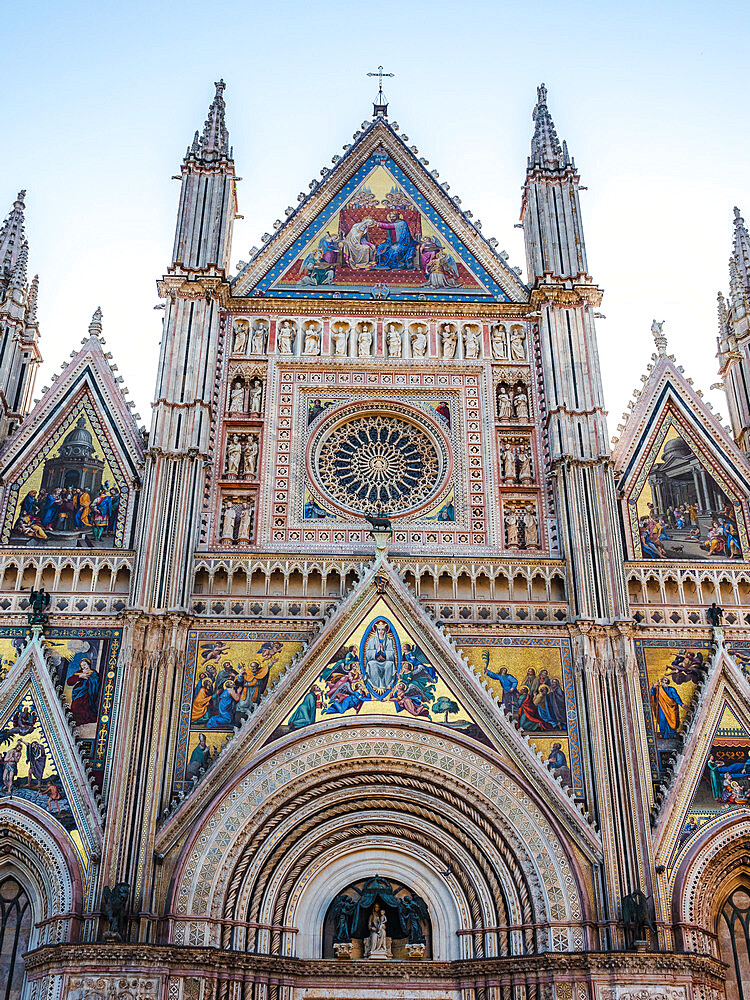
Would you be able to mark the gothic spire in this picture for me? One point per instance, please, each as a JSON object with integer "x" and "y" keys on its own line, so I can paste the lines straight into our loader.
{"x": 546, "y": 151}
{"x": 12, "y": 237}
{"x": 32, "y": 301}
{"x": 18, "y": 274}
{"x": 740, "y": 251}
{"x": 214, "y": 141}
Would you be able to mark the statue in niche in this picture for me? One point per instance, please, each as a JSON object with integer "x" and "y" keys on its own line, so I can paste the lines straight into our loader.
{"x": 251, "y": 456}
{"x": 234, "y": 454}
{"x": 511, "y": 529}
{"x": 286, "y": 337}
{"x": 343, "y": 911}
{"x": 340, "y": 339}
{"x": 532, "y": 529}
{"x": 376, "y": 945}
{"x": 237, "y": 397}
{"x": 449, "y": 340}
{"x": 259, "y": 339}
{"x": 517, "y": 343}
{"x": 256, "y": 395}
{"x": 471, "y": 342}
{"x": 240, "y": 338}
{"x": 525, "y": 472}
{"x": 227, "y": 521}
{"x": 312, "y": 341}
{"x": 412, "y": 911}
{"x": 364, "y": 341}
{"x": 393, "y": 336}
{"x": 499, "y": 343}
{"x": 246, "y": 518}
{"x": 419, "y": 342}
{"x": 504, "y": 404}
{"x": 521, "y": 404}
{"x": 507, "y": 463}
{"x": 114, "y": 908}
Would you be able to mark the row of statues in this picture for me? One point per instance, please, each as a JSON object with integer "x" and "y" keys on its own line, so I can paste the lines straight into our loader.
{"x": 242, "y": 456}
{"x": 512, "y": 403}
{"x": 236, "y": 520}
{"x": 358, "y": 342}
{"x": 516, "y": 464}
{"x": 245, "y": 398}
{"x": 521, "y": 527}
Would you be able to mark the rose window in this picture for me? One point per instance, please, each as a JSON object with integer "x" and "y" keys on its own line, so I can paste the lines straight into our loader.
{"x": 378, "y": 462}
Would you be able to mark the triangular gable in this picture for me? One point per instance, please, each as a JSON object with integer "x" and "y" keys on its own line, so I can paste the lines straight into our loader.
{"x": 674, "y": 453}
{"x": 83, "y": 416}
{"x": 442, "y": 692}
{"x": 42, "y": 764}
{"x": 380, "y": 669}
{"x": 711, "y": 778}
{"x": 418, "y": 245}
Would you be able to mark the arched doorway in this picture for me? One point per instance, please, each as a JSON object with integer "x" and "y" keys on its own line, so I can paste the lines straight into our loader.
{"x": 16, "y": 923}
{"x": 733, "y": 933}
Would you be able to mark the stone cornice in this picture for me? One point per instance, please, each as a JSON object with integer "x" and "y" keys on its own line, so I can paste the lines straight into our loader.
{"x": 556, "y": 294}
{"x": 379, "y": 308}
{"x": 212, "y": 962}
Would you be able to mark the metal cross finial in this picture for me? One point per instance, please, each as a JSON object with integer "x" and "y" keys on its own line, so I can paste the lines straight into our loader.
{"x": 380, "y": 74}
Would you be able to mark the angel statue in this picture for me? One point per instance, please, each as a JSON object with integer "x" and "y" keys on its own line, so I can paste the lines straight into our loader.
{"x": 343, "y": 908}
{"x": 114, "y": 906}
{"x": 412, "y": 911}
{"x": 39, "y": 602}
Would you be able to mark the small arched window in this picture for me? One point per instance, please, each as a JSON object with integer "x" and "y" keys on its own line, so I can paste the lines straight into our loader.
{"x": 15, "y": 932}
{"x": 734, "y": 943}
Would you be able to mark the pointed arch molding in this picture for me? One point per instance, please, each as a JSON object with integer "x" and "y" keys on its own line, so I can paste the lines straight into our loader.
{"x": 309, "y": 795}
{"x": 730, "y": 471}
{"x": 35, "y": 853}
{"x": 706, "y": 876}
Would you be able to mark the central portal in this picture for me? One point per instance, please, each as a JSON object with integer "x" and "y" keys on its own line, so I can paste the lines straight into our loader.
{"x": 377, "y": 919}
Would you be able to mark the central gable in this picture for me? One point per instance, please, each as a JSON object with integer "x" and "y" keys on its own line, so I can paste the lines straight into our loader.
{"x": 379, "y": 226}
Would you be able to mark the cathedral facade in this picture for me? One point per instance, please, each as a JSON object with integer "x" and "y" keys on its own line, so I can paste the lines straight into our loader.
{"x": 374, "y": 669}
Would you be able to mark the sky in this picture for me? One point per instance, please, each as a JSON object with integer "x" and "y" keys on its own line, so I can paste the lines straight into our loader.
{"x": 651, "y": 98}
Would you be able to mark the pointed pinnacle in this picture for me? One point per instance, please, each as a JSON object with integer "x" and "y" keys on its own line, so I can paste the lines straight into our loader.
{"x": 545, "y": 146}
{"x": 95, "y": 326}
{"x": 741, "y": 249}
{"x": 18, "y": 274}
{"x": 31, "y": 301}
{"x": 215, "y": 138}
{"x": 659, "y": 337}
{"x": 12, "y": 236}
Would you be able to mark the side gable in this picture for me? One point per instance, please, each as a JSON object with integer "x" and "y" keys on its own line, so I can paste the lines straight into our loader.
{"x": 674, "y": 455}
{"x": 80, "y": 435}
{"x": 379, "y": 225}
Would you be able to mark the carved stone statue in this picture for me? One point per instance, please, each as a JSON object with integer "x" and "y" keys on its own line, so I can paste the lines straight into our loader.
{"x": 517, "y": 343}
{"x": 237, "y": 397}
{"x": 240, "y": 338}
{"x": 259, "y": 338}
{"x": 525, "y": 472}
{"x": 227, "y": 521}
{"x": 312, "y": 341}
{"x": 521, "y": 404}
{"x": 504, "y": 404}
{"x": 286, "y": 337}
{"x": 39, "y": 602}
{"x": 340, "y": 339}
{"x": 246, "y": 519}
{"x": 714, "y": 614}
{"x": 251, "y": 456}
{"x": 532, "y": 529}
{"x": 114, "y": 908}
{"x": 449, "y": 340}
{"x": 393, "y": 336}
{"x": 234, "y": 454}
{"x": 377, "y": 945}
{"x": 412, "y": 911}
{"x": 507, "y": 464}
{"x": 471, "y": 342}
{"x": 511, "y": 528}
{"x": 364, "y": 341}
{"x": 256, "y": 395}
{"x": 499, "y": 343}
{"x": 419, "y": 343}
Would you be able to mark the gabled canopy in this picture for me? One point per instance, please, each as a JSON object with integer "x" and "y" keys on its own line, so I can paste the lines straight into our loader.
{"x": 379, "y": 225}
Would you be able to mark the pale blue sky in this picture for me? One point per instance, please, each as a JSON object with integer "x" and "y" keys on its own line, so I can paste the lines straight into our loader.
{"x": 651, "y": 98}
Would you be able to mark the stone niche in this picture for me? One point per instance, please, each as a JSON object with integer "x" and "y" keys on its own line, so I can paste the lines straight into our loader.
{"x": 377, "y": 919}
